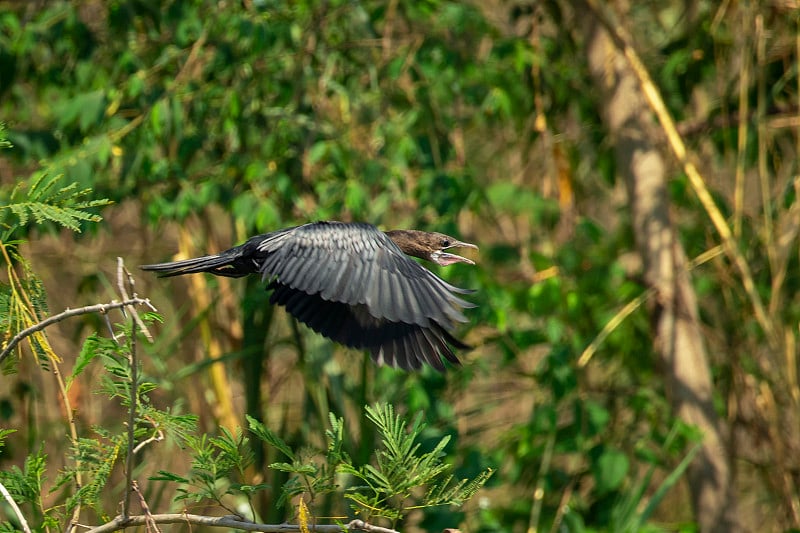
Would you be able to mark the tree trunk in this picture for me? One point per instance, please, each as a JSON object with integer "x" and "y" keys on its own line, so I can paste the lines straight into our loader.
{"x": 679, "y": 342}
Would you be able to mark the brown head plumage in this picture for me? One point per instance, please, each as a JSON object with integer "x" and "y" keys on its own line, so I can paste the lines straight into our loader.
{"x": 430, "y": 246}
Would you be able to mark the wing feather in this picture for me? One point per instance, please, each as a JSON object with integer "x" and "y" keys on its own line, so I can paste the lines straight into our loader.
{"x": 397, "y": 344}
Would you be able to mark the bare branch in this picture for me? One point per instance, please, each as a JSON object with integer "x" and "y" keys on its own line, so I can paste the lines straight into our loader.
{"x": 17, "y": 511}
{"x": 151, "y": 524}
{"x": 130, "y": 483}
{"x": 232, "y": 522}
{"x": 124, "y": 294}
{"x": 69, "y": 313}
{"x": 360, "y": 525}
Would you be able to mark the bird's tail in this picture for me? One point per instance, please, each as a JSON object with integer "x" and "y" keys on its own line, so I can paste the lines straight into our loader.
{"x": 223, "y": 264}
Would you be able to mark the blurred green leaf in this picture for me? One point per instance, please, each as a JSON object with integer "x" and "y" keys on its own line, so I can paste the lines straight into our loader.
{"x": 609, "y": 470}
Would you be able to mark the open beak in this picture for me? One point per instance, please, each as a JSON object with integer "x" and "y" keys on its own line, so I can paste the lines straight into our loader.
{"x": 442, "y": 258}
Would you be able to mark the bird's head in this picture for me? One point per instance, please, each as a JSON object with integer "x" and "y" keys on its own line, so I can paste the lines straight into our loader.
{"x": 430, "y": 246}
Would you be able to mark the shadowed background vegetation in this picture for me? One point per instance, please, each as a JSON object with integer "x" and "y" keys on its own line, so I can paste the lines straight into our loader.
{"x": 208, "y": 122}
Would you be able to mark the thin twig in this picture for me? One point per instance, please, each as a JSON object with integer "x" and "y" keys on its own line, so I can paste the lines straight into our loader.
{"x": 110, "y": 326}
{"x": 741, "y": 145}
{"x": 69, "y": 413}
{"x": 16, "y": 508}
{"x": 122, "y": 275}
{"x": 69, "y": 313}
{"x": 150, "y": 523}
{"x": 232, "y": 522}
{"x": 130, "y": 483}
{"x": 158, "y": 437}
{"x": 538, "y": 492}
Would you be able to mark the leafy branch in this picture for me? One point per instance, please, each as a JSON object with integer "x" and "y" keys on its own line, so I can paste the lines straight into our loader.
{"x": 42, "y": 200}
{"x": 218, "y": 466}
{"x": 4, "y": 143}
{"x": 93, "y": 459}
{"x": 389, "y": 487}
{"x": 401, "y": 479}
{"x": 309, "y": 474}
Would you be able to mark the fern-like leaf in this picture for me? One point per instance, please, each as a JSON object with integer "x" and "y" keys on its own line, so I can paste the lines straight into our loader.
{"x": 42, "y": 201}
{"x": 264, "y": 433}
{"x": 389, "y": 487}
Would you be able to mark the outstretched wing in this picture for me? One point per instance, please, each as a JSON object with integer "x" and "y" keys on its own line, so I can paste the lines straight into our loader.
{"x": 357, "y": 264}
{"x": 396, "y": 344}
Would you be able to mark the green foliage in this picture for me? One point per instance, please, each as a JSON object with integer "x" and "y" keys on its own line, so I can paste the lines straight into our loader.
{"x": 401, "y": 478}
{"x": 4, "y": 143}
{"x": 393, "y": 483}
{"x": 27, "y": 486}
{"x": 400, "y": 471}
{"x": 44, "y": 201}
{"x": 439, "y": 114}
{"x": 116, "y": 382}
{"x": 633, "y": 509}
{"x": 22, "y": 302}
{"x": 3, "y": 434}
{"x": 218, "y": 468}
{"x": 308, "y": 475}
{"x": 94, "y": 459}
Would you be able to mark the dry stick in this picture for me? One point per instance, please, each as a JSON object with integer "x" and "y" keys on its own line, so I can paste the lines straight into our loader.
{"x": 69, "y": 313}
{"x": 776, "y": 253}
{"x": 124, "y": 294}
{"x": 73, "y": 433}
{"x": 538, "y": 492}
{"x": 232, "y": 522}
{"x": 761, "y": 133}
{"x": 150, "y": 523}
{"x": 134, "y": 391}
{"x": 622, "y": 40}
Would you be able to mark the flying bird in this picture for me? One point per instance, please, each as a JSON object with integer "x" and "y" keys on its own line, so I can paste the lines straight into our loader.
{"x": 355, "y": 285}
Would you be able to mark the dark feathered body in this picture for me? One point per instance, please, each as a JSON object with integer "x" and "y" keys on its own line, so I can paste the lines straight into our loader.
{"x": 355, "y": 285}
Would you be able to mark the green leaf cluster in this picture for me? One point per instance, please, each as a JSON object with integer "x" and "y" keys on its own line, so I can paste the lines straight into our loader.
{"x": 93, "y": 459}
{"x": 28, "y": 485}
{"x": 309, "y": 474}
{"x": 400, "y": 479}
{"x": 23, "y": 302}
{"x": 391, "y": 487}
{"x": 43, "y": 201}
{"x": 219, "y": 465}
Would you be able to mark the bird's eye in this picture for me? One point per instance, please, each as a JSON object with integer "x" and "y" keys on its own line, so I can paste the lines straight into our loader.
{"x": 445, "y": 243}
